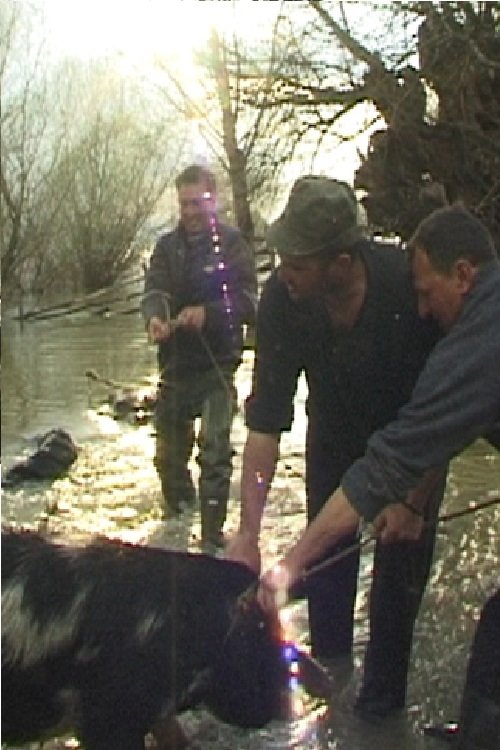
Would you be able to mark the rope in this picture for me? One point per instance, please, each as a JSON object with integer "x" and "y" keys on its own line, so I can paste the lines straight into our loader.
{"x": 371, "y": 537}
{"x": 218, "y": 369}
{"x": 246, "y": 599}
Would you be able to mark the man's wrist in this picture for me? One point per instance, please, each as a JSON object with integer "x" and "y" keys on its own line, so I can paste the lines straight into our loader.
{"x": 412, "y": 508}
{"x": 293, "y": 567}
{"x": 251, "y": 538}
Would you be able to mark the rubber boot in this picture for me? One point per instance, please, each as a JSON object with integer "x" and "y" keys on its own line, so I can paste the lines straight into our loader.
{"x": 170, "y": 507}
{"x": 479, "y": 723}
{"x": 212, "y": 521}
{"x": 178, "y": 498}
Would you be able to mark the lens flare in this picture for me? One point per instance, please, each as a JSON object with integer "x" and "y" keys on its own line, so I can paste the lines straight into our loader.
{"x": 220, "y": 264}
{"x": 291, "y": 655}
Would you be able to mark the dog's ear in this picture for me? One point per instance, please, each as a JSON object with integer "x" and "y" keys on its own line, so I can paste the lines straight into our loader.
{"x": 196, "y": 691}
{"x": 313, "y": 677}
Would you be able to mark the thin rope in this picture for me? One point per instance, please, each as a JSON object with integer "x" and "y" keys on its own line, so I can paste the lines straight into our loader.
{"x": 218, "y": 369}
{"x": 372, "y": 536}
{"x": 165, "y": 298}
{"x": 245, "y": 600}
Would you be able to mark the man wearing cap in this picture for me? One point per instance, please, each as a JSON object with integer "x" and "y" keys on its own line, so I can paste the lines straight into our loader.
{"x": 456, "y": 400}
{"x": 342, "y": 310}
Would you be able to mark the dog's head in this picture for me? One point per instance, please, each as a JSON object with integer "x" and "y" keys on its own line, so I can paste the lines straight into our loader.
{"x": 251, "y": 679}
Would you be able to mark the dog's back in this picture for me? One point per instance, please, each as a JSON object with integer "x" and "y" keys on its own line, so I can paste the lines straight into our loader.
{"x": 111, "y": 637}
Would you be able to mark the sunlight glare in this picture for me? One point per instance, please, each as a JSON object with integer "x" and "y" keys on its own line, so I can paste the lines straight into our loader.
{"x": 140, "y": 30}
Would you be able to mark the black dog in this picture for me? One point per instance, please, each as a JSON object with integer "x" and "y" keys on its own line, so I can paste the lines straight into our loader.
{"x": 53, "y": 456}
{"x": 112, "y": 639}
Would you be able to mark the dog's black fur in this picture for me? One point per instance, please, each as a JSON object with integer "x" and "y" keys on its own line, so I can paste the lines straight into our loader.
{"x": 108, "y": 639}
{"x": 53, "y": 456}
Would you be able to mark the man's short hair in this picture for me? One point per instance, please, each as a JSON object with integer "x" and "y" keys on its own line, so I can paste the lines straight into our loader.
{"x": 451, "y": 233}
{"x": 195, "y": 174}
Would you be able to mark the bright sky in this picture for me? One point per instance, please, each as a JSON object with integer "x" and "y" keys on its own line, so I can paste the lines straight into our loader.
{"x": 141, "y": 28}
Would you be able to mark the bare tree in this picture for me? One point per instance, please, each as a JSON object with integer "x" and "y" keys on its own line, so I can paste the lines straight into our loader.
{"x": 86, "y": 156}
{"x": 118, "y": 160}
{"x": 30, "y": 152}
{"x": 432, "y": 70}
{"x": 250, "y": 141}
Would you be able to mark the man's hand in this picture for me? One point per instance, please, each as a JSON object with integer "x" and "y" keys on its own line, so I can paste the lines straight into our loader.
{"x": 275, "y": 584}
{"x": 398, "y": 523}
{"x": 192, "y": 317}
{"x": 158, "y": 330}
{"x": 241, "y": 548}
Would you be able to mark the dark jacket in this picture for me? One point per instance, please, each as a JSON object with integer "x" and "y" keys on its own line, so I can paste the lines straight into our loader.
{"x": 357, "y": 379}
{"x": 455, "y": 401}
{"x": 186, "y": 272}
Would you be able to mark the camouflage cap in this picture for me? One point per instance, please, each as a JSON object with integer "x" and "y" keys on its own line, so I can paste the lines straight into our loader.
{"x": 321, "y": 213}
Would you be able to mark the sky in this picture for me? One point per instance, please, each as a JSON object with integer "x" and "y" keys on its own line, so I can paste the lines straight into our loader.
{"x": 140, "y": 30}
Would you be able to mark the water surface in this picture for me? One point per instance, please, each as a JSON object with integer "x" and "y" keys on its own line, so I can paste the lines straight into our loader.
{"x": 112, "y": 489}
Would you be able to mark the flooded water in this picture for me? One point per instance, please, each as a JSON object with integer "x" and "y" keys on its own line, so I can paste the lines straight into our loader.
{"x": 112, "y": 489}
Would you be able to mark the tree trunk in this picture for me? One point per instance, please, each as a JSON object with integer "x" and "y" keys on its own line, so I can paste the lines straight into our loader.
{"x": 236, "y": 157}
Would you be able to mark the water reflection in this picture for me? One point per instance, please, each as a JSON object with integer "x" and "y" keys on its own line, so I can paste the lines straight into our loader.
{"x": 44, "y": 365}
{"x": 112, "y": 489}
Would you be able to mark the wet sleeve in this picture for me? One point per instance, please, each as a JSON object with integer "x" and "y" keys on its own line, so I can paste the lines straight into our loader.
{"x": 455, "y": 401}
{"x": 269, "y": 408}
{"x": 157, "y": 296}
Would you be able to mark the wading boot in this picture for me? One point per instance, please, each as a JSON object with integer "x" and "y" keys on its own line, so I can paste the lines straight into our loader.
{"x": 379, "y": 698}
{"x": 175, "y": 501}
{"x": 479, "y": 723}
{"x": 212, "y": 520}
{"x": 477, "y": 729}
{"x": 447, "y": 731}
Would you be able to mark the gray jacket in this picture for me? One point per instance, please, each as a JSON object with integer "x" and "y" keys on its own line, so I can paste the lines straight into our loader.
{"x": 456, "y": 399}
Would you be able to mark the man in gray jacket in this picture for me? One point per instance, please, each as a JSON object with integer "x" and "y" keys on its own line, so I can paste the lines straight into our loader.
{"x": 200, "y": 288}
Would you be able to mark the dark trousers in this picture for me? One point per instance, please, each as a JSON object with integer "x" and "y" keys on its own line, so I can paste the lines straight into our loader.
{"x": 209, "y": 396}
{"x": 479, "y": 720}
{"x": 400, "y": 573}
{"x": 483, "y": 670}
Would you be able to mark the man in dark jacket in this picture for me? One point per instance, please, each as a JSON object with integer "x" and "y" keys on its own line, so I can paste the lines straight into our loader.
{"x": 200, "y": 289}
{"x": 341, "y": 310}
{"x": 456, "y": 400}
